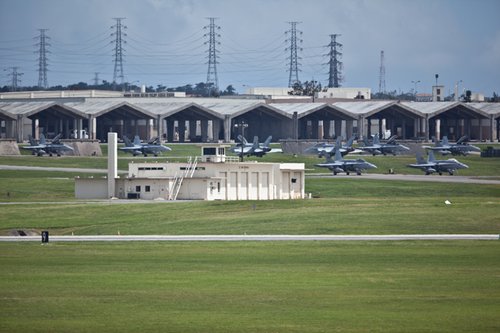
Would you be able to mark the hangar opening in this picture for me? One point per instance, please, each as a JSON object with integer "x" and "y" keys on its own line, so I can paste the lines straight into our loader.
{"x": 193, "y": 124}
{"x": 395, "y": 120}
{"x": 460, "y": 120}
{"x": 261, "y": 121}
{"x": 325, "y": 122}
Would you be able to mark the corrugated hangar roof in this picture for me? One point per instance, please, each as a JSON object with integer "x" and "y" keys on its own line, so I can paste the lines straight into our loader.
{"x": 363, "y": 107}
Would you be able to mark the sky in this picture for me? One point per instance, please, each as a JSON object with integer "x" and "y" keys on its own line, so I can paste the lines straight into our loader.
{"x": 166, "y": 42}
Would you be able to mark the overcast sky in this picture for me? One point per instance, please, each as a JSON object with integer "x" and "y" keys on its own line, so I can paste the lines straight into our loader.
{"x": 165, "y": 42}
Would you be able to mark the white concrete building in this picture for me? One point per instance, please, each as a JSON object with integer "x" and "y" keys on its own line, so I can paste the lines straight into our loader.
{"x": 347, "y": 93}
{"x": 213, "y": 176}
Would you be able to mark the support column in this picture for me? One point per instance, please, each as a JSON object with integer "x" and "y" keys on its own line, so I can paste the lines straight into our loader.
{"x": 20, "y": 128}
{"x": 182, "y": 130}
{"x": 92, "y": 128}
{"x": 192, "y": 130}
{"x": 204, "y": 131}
{"x": 37, "y": 129}
{"x": 227, "y": 128}
{"x": 326, "y": 129}
{"x": 438, "y": 129}
{"x": 216, "y": 129}
{"x": 361, "y": 127}
{"x": 295, "y": 126}
{"x": 349, "y": 124}
{"x": 338, "y": 128}
{"x": 170, "y": 130}
{"x": 159, "y": 128}
{"x": 315, "y": 129}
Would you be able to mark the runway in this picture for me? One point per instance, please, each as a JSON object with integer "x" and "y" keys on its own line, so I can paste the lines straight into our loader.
{"x": 253, "y": 238}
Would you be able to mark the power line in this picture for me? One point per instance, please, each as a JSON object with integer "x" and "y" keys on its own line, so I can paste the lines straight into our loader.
{"x": 212, "y": 79}
{"x": 42, "y": 59}
{"x": 294, "y": 58}
{"x": 335, "y": 75}
{"x": 119, "y": 41}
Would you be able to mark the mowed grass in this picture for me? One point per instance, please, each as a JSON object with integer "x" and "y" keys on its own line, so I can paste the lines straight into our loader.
{"x": 342, "y": 206}
{"x": 251, "y": 287}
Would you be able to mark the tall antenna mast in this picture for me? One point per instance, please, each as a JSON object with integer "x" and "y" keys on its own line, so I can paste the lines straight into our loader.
{"x": 118, "y": 34}
{"x": 293, "y": 58}
{"x": 15, "y": 78}
{"x": 381, "y": 77}
{"x": 335, "y": 75}
{"x": 212, "y": 79}
{"x": 42, "y": 58}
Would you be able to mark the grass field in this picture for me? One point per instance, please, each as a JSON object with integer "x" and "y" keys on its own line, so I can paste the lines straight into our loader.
{"x": 415, "y": 286}
{"x": 251, "y": 287}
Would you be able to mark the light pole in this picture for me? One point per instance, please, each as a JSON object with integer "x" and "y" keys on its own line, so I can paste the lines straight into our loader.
{"x": 415, "y": 90}
{"x": 242, "y": 124}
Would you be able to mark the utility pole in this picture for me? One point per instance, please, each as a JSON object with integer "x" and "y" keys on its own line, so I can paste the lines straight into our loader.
{"x": 293, "y": 58}
{"x": 119, "y": 41}
{"x": 335, "y": 75}
{"x": 96, "y": 78}
{"x": 212, "y": 79}
{"x": 42, "y": 58}
{"x": 381, "y": 77}
{"x": 15, "y": 78}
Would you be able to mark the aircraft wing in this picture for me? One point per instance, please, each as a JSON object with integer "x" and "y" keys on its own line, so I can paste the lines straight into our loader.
{"x": 276, "y": 150}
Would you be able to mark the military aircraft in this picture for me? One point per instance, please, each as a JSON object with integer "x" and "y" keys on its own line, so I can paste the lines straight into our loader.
{"x": 390, "y": 147}
{"x": 327, "y": 149}
{"x": 244, "y": 148}
{"x": 432, "y": 165}
{"x": 340, "y": 165}
{"x": 137, "y": 147}
{"x": 461, "y": 147}
{"x": 55, "y": 147}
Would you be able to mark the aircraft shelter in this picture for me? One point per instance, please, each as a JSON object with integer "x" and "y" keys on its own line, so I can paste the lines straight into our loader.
{"x": 218, "y": 119}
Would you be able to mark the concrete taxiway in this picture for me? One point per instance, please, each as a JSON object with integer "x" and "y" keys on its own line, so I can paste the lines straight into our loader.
{"x": 257, "y": 238}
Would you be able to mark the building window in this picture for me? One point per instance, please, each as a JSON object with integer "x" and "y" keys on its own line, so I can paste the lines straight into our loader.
{"x": 138, "y": 188}
{"x": 218, "y": 187}
{"x": 438, "y": 91}
{"x": 147, "y": 188}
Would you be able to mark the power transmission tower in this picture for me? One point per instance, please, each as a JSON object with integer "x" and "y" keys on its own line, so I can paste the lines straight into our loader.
{"x": 119, "y": 41}
{"x": 42, "y": 58}
{"x": 381, "y": 77}
{"x": 15, "y": 78}
{"x": 96, "y": 79}
{"x": 212, "y": 79}
{"x": 335, "y": 73}
{"x": 293, "y": 58}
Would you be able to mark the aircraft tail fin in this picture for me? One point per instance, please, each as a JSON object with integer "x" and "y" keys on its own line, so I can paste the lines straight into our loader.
{"x": 42, "y": 139}
{"x": 420, "y": 158}
{"x": 242, "y": 139}
{"x": 127, "y": 141}
{"x": 32, "y": 141}
{"x": 350, "y": 142}
{"x": 462, "y": 140}
{"x": 255, "y": 142}
{"x": 430, "y": 157}
{"x": 268, "y": 141}
{"x": 57, "y": 138}
{"x": 376, "y": 140}
{"x": 392, "y": 139}
{"x": 444, "y": 142}
{"x": 338, "y": 154}
{"x": 137, "y": 140}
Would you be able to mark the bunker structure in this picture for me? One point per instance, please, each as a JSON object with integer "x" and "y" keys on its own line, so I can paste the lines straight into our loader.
{"x": 211, "y": 176}
{"x": 218, "y": 119}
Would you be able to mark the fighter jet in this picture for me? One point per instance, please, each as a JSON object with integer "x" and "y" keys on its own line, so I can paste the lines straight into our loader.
{"x": 327, "y": 149}
{"x": 340, "y": 165}
{"x": 137, "y": 147}
{"x": 432, "y": 165}
{"x": 390, "y": 147}
{"x": 461, "y": 147}
{"x": 244, "y": 148}
{"x": 55, "y": 147}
